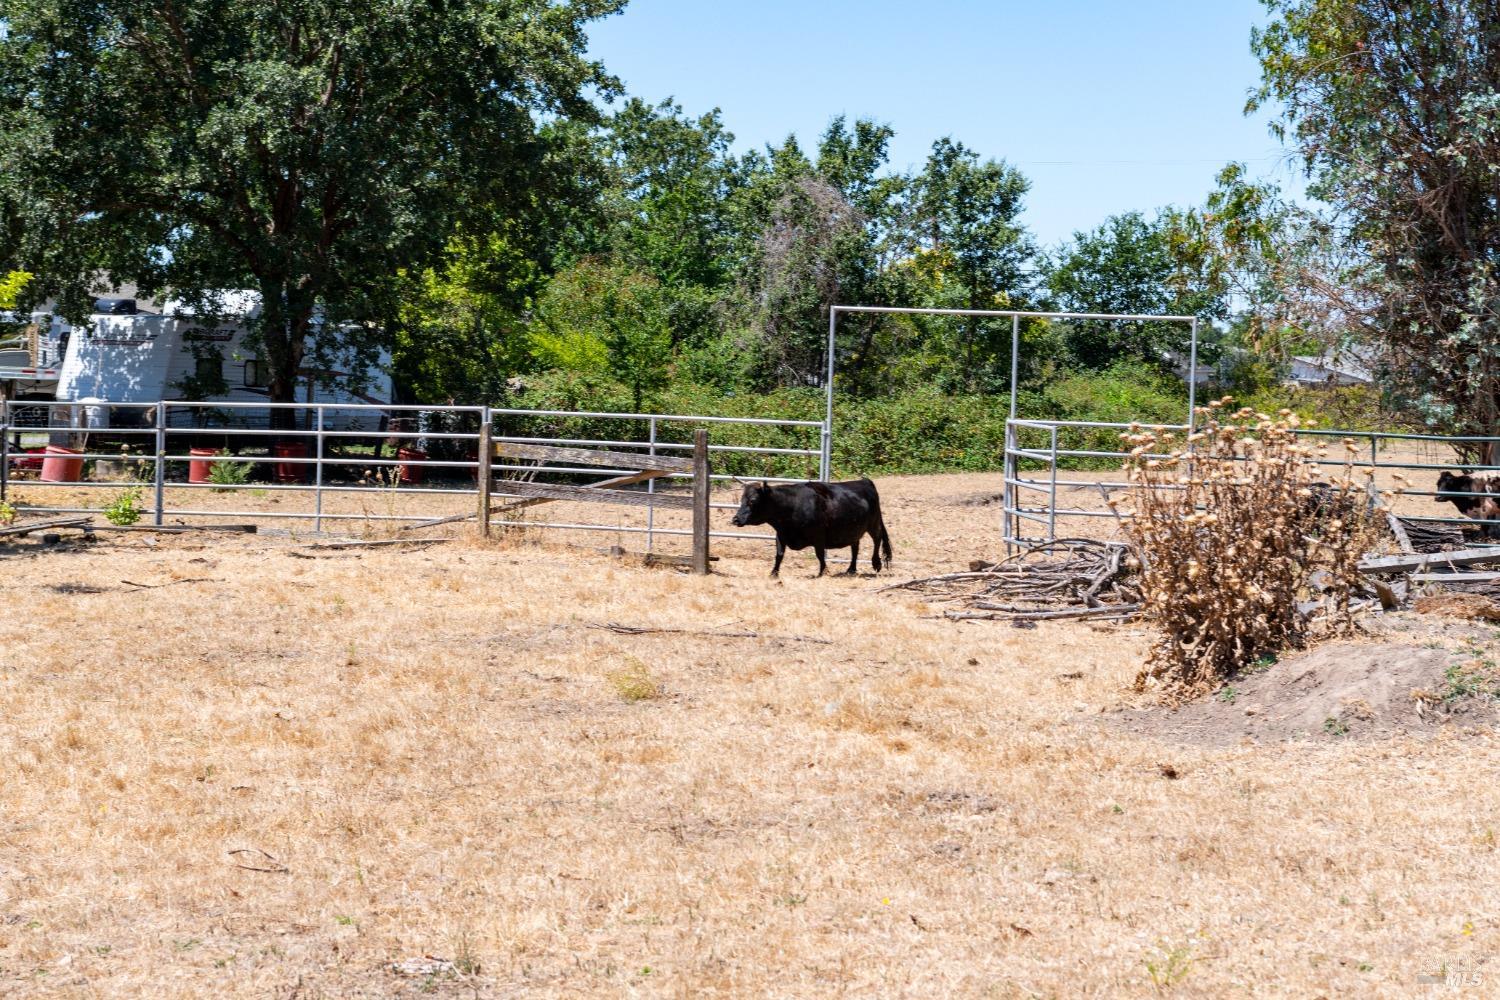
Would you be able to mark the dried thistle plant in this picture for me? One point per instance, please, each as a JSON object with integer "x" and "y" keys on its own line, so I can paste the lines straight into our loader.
{"x": 1235, "y": 534}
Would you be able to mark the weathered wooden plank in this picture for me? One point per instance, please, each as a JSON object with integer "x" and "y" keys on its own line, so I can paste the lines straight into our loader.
{"x": 364, "y": 543}
{"x": 26, "y": 529}
{"x": 1454, "y": 577}
{"x": 1408, "y": 563}
{"x": 1001, "y": 614}
{"x": 1399, "y": 530}
{"x": 672, "y": 559}
{"x": 626, "y": 480}
{"x": 591, "y": 494}
{"x": 593, "y": 456}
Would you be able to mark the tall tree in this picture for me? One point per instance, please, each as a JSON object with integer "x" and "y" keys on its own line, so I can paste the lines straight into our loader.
{"x": 1137, "y": 266}
{"x": 811, "y": 243}
{"x": 1267, "y": 254}
{"x": 665, "y": 208}
{"x": 310, "y": 149}
{"x": 967, "y": 214}
{"x": 852, "y": 160}
{"x": 603, "y": 317}
{"x": 672, "y": 174}
{"x": 460, "y": 330}
{"x": 811, "y": 235}
{"x": 1395, "y": 108}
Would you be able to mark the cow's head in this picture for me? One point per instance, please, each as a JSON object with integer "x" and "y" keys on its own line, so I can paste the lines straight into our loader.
{"x": 754, "y": 505}
{"x": 1449, "y": 482}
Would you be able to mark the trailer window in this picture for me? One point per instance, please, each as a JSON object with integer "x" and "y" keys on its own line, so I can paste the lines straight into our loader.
{"x": 208, "y": 367}
{"x": 255, "y": 375}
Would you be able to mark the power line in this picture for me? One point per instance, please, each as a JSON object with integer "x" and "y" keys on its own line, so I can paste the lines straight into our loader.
{"x": 1149, "y": 163}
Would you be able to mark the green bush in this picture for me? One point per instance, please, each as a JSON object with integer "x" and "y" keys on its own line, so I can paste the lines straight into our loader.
{"x": 1343, "y": 408}
{"x": 125, "y": 509}
{"x": 226, "y": 475}
{"x": 920, "y": 431}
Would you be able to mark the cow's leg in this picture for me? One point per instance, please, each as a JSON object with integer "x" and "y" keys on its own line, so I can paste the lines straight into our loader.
{"x": 853, "y": 559}
{"x": 822, "y": 559}
{"x": 875, "y": 541}
{"x": 780, "y": 554}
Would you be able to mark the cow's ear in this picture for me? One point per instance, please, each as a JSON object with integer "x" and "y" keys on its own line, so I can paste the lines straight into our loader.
{"x": 764, "y": 485}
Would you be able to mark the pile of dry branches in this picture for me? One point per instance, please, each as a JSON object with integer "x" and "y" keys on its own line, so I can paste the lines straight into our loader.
{"x": 1068, "y": 578}
{"x": 1230, "y": 527}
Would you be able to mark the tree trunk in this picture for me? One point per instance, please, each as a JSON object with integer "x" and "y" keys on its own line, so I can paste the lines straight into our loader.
{"x": 1489, "y": 451}
{"x": 285, "y": 318}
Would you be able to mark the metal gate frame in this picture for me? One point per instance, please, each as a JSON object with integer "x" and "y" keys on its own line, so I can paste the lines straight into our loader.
{"x": 1011, "y": 525}
{"x": 1046, "y": 510}
{"x": 157, "y": 452}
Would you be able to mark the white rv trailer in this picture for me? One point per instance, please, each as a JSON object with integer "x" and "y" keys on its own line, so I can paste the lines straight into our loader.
{"x": 143, "y": 358}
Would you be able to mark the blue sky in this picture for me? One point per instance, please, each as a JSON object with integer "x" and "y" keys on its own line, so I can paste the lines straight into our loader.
{"x": 1107, "y": 105}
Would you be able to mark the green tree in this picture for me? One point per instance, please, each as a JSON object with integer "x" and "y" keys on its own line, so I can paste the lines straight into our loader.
{"x": 966, "y": 215}
{"x": 821, "y": 232}
{"x": 672, "y": 176}
{"x": 1394, "y": 106}
{"x": 665, "y": 211}
{"x": 12, "y": 286}
{"x": 1259, "y": 249}
{"x": 852, "y": 160}
{"x": 603, "y": 318}
{"x": 309, "y": 149}
{"x": 461, "y": 329}
{"x": 1137, "y": 266}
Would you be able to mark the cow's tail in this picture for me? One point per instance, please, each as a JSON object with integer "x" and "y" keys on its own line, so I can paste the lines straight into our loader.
{"x": 885, "y": 542}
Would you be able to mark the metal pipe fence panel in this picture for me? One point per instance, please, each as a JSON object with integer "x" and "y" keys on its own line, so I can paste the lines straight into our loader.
{"x": 372, "y": 463}
{"x": 1060, "y": 473}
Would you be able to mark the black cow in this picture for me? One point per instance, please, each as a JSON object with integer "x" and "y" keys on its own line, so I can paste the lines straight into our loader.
{"x": 1451, "y": 487}
{"x": 823, "y": 515}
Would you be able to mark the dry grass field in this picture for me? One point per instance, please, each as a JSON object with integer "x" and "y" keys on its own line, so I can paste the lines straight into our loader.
{"x": 258, "y": 770}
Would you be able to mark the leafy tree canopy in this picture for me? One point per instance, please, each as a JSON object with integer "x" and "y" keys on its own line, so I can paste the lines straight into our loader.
{"x": 1137, "y": 266}
{"x": 306, "y": 148}
{"x": 602, "y": 317}
{"x": 1394, "y": 106}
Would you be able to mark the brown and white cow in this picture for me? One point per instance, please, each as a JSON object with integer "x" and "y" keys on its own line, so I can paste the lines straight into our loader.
{"x": 1475, "y": 494}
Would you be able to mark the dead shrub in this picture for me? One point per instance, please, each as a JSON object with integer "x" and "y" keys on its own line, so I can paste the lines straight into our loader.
{"x": 1234, "y": 532}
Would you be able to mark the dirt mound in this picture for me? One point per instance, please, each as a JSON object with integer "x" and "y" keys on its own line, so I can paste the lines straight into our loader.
{"x": 1450, "y": 605}
{"x": 1340, "y": 691}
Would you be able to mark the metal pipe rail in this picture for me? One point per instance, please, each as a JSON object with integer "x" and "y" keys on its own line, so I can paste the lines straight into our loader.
{"x": 317, "y": 463}
{"x": 1035, "y": 471}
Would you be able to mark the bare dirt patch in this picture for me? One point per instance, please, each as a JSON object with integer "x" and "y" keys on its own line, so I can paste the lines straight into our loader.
{"x": 1337, "y": 692}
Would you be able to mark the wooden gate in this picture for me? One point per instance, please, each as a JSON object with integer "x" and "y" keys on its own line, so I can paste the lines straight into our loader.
{"x": 608, "y": 491}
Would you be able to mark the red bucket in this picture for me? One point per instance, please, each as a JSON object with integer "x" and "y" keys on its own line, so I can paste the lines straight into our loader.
{"x": 411, "y": 474}
{"x": 290, "y": 472}
{"x": 59, "y": 465}
{"x": 201, "y": 468}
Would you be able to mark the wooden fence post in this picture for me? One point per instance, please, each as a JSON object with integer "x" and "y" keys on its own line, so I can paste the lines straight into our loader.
{"x": 161, "y": 462}
{"x": 485, "y": 473}
{"x": 701, "y": 484}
